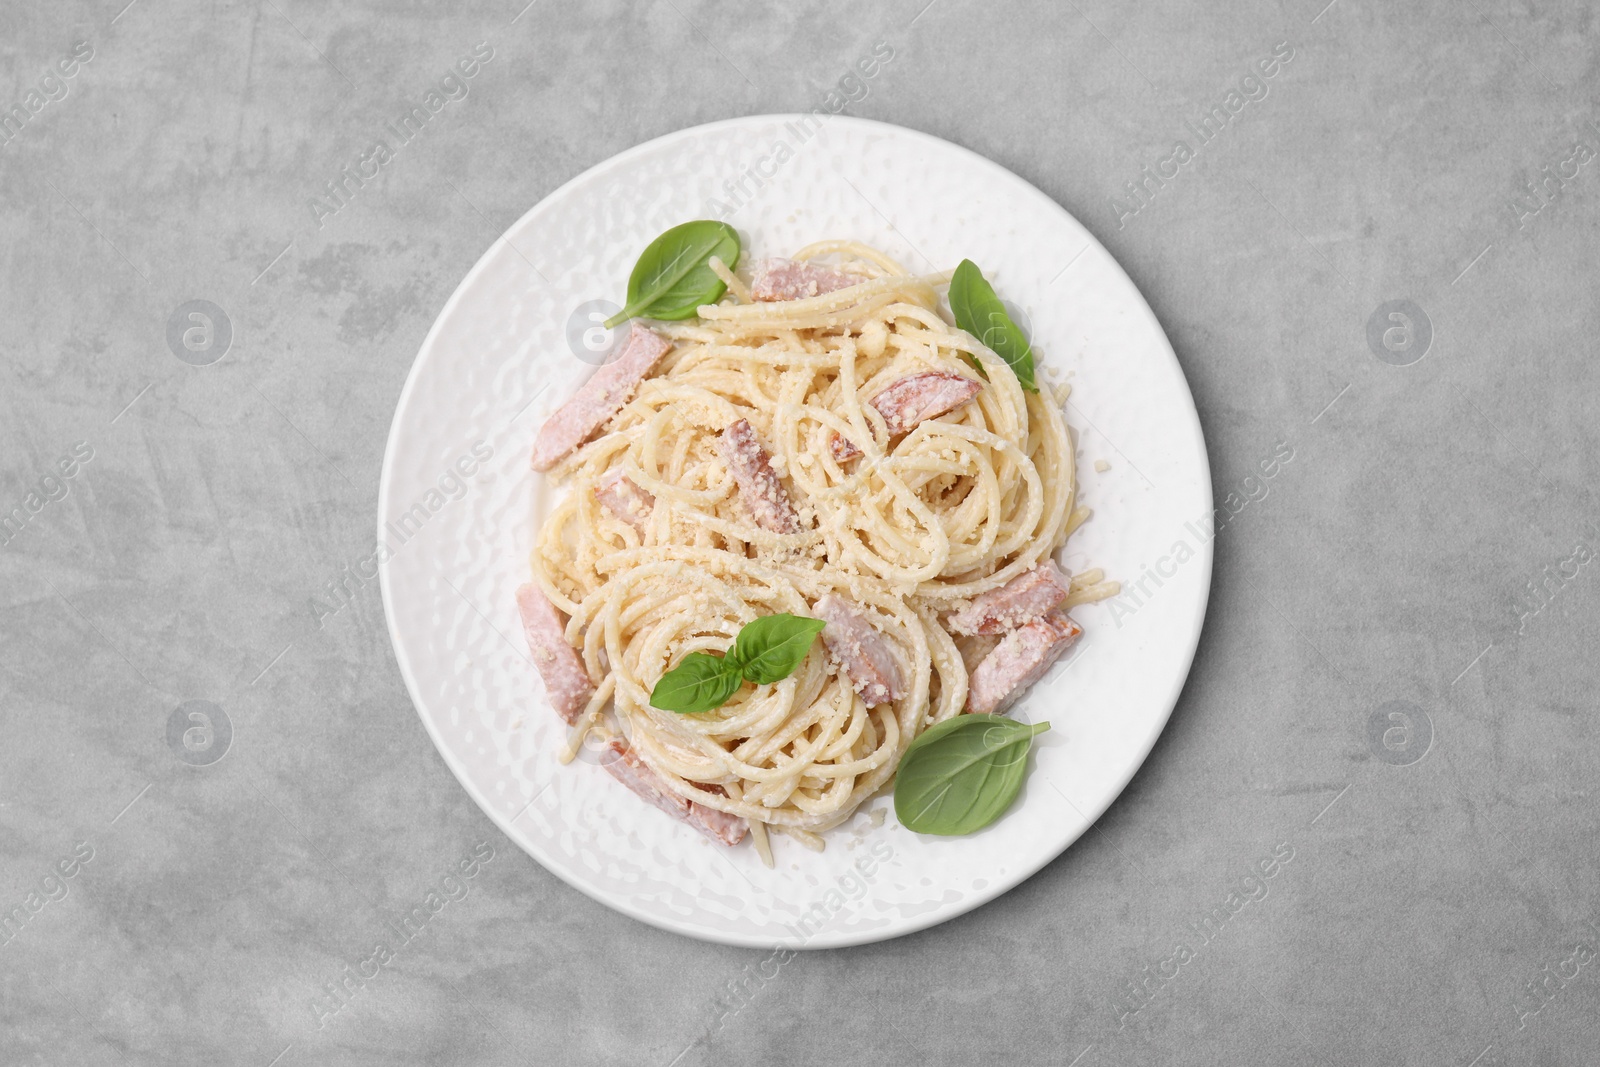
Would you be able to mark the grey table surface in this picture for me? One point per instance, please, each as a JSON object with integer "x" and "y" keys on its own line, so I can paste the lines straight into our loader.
{"x": 1396, "y": 680}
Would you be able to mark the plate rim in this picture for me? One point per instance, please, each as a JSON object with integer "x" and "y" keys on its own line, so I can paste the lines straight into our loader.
{"x": 843, "y": 939}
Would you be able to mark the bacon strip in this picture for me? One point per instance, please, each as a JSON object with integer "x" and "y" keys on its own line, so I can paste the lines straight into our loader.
{"x": 862, "y": 652}
{"x": 599, "y": 398}
{"x": 785, "y": 279}
{"x": 566, "y": 682}
{"x": 618, "y": 495}
{"x": 1022, "y": 599}
{"x": 623, "y": 764}
{"x": 759, "y": 487}
{"x": 912, "y": 400}
{"x": 1018, "y": 661}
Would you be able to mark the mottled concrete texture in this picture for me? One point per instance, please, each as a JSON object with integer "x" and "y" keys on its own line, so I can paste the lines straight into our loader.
{"x": 1430, "y": 542}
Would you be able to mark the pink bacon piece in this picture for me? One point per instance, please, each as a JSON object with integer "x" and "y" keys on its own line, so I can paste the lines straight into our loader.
{"x": 786, "y": 279}
{"x": 599, "y": 398}
{"x": 759, "y": 487}
{"x": 566, "y": 682}
{"x": 623, "y": 764}
{"x": 618, "y": 495}
{"x": 912, "y": 400}
{"x": 1022, "y": 599}
{"x": 862, "y": 652}
{"x": 1019, "y": 660}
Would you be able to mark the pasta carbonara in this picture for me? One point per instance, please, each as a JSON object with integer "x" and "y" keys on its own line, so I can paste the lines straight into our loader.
{"x": 821, "y": 443}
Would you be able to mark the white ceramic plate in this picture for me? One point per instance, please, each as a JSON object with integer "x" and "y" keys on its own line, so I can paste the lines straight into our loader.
{"x": 458, "y": 505}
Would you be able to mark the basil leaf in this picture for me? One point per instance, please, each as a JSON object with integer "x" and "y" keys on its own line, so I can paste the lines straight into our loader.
{"x": 766, "y": 651}
{"x": 962, "y": 774}
{"x": 980, "y": 313}
{"x": 770, "y": 648}
{"x": 699, "y": 683}
{"x": 671, "y": 279}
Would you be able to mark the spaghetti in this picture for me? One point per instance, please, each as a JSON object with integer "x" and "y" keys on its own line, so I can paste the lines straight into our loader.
{"x": 653, "y": 554}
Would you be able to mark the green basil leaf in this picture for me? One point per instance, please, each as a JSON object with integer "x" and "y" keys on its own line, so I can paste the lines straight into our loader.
{"x": 672, "y": 279}
{"x": 980, "y": 313}
{"x": 770, "y": 648}
{"x": 698, "y": 683}
{"x": 962, "y": 774}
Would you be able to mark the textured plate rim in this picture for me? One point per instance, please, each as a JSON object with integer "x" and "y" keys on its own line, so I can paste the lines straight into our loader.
{"x": 935, "y": 916}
